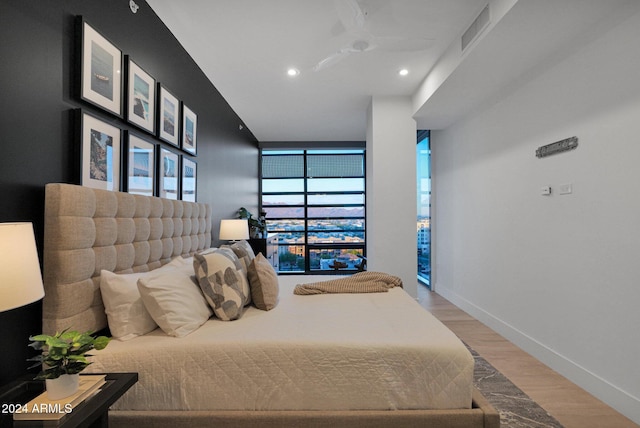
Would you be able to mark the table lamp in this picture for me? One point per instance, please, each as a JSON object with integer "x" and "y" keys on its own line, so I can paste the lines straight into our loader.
{"x": 234, "y": 230}
{"x": 20, "y": 277}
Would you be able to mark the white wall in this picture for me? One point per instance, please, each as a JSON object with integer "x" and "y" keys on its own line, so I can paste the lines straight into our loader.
{"x": 391, "y": 190}
{"x": 559, "y": 275}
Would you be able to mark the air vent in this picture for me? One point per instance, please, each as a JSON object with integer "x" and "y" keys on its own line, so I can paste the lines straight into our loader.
{"x": 476, "y": 27}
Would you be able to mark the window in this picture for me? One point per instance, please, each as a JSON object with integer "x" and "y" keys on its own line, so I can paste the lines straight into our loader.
{"x": 314, "y": 202}
{"x": 423, "y": 156}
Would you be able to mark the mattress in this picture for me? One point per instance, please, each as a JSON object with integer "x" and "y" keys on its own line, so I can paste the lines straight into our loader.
{"x": 374, "y": 351}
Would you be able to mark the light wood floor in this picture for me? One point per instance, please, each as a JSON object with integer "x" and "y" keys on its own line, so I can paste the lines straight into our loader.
{"x": 569, "y": 404}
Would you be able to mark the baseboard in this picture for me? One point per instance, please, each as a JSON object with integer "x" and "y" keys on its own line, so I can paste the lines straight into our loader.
{"x": 621, "y": 401}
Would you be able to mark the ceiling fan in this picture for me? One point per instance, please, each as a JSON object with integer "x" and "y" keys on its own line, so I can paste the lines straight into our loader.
{"x": 359, "y": 21}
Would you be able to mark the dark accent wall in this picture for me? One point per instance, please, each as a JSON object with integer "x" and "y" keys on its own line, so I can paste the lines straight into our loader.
{"x": 37, "y": 96}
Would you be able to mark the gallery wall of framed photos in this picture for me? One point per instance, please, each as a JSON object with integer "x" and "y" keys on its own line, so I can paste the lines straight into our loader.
{"x": 38, "y": 126}
{"x": 158, "y": 158}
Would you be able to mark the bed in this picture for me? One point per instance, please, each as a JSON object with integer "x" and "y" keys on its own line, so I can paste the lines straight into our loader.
{"x": 363, "y": 359}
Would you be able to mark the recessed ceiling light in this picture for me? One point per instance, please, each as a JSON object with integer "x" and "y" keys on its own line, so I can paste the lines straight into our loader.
{"x": 293, "y": 72}
{"x": 403, "y": 72}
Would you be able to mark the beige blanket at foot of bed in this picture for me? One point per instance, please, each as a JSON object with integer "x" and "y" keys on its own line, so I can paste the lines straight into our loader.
{"x": 363, "y": 282}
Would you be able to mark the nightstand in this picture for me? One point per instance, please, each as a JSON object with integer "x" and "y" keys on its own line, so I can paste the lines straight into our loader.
{"x": 93, "y": 412}
{"x": 258, "y": 245}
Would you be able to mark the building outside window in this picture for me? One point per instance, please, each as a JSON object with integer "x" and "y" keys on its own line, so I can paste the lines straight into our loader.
{"x": 315, "y": 208}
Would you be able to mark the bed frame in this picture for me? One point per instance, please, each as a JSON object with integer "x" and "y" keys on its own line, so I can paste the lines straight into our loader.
{"x": 87, "y": 230}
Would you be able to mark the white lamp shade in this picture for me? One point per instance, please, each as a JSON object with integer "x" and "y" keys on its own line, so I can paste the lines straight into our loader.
{"x": 20, "y": 277}
{"x": 233, "y": 230}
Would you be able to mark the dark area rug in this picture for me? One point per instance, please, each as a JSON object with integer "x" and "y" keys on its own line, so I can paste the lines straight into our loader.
{"x": 517, "y": 409}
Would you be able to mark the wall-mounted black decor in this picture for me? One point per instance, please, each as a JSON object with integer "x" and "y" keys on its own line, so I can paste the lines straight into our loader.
{"x": 168, "y": 116}
{"x": 141, "y": 165}
{"x": 100, "y": 144}
{"x": 557, "y": 147}
{"x": 141, "y": 97}
{"x": 100, "y": 69}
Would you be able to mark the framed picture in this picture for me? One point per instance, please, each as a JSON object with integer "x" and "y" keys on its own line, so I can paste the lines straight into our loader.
{"x": 141, "y": 97}
{"x": 168, "y": 116}
{"x": 99, "y": 153}
{"x": 168, "y": 174}
{"x": 141, "y": 166}
{"x": 189, "y": 175}
{"x": 189, "y": 130}
{"x": 100, "y": 69}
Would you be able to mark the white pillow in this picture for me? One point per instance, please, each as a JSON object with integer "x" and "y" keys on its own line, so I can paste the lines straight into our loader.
{"x": 174, "y": 301}
{"x": 126, "y": 314}
{"x": 179, "y": 261}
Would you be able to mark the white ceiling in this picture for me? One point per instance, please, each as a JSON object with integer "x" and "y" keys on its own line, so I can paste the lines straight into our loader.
{"x": 246, "y": 46}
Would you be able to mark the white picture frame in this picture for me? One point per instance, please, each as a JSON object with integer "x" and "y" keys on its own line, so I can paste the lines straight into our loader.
{"x": 141, "y": 97}
{"x": 189, "y": 130}
{"x": 168, "y": 117}
{"x": 141, "y": 166}
{"x": 100, "y": 144}
{"x": 100, "y": 70}
{"x": 189, "y": 180}
{"x": 168, "y": 174}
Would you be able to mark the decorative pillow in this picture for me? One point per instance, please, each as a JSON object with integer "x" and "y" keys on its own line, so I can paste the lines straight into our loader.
{"x": 175, "y": 303}
{"x": 243, "y": 251}
{"x": 223, "y": 283}
{"x": 264, "y": 283}
{"x": 126, "y": 314}
{"x": 240, "y": 264}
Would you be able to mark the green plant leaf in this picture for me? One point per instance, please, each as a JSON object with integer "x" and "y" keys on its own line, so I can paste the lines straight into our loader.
{"x": 101, "y": 342}
{"x": 64, "y": 352}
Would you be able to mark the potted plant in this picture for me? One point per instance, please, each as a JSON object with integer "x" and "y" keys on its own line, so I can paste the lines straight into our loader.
{"x": 63, "y": 356}
{"x": 257, "y": 226}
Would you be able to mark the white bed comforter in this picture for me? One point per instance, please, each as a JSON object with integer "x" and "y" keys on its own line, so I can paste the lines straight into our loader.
{"x": 322, "y": 352}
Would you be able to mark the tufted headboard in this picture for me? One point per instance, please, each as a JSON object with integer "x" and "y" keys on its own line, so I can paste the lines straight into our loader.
{"x": 87, "y": 230}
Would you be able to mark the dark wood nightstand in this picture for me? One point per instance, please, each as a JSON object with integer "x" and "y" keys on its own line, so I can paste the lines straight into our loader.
{"x": 258, "y": 245}
{"x": 93, "y": 412}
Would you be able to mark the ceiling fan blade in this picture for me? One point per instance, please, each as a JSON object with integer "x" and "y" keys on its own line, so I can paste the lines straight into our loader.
{"x": 332, "y": 60}
{"x": 355, "y": 25}
{"x": 351, "y": 16}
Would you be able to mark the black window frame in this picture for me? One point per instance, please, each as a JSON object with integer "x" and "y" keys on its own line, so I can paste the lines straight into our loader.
{"x": 310, "y": 247}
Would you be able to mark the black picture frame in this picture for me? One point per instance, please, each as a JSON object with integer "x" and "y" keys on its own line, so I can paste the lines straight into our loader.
{"x": 100, "y": 145}
{"x": 100, "y": 69}
{"x": 189, "y": 180}
{"x": 168, "y": 174}
{"x": 189, "y": 130}
{"x": 141, "y": 97}
{"x": 141, "y": 160}
{"x": 168, "y": 123}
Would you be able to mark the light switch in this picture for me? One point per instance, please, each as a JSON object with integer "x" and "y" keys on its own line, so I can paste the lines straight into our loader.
{"x": 545, "y": 190}
{"x": 565, "y": 189}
